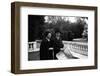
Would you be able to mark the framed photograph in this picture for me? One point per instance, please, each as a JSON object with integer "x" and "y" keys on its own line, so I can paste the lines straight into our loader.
{"x": 52, "y": 37}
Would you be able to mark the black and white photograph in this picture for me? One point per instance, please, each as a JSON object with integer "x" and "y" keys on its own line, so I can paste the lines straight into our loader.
{"x": 52, "y": 37}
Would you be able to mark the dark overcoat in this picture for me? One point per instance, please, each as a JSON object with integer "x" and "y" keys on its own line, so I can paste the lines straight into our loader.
{"x": 45, "y": 53}
{"x": 57, "y": 45}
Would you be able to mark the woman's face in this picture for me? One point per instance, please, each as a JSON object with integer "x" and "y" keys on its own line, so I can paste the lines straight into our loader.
{"x": 49, "y": 35}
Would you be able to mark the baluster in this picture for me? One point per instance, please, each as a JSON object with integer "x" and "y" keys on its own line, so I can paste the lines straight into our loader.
{"x": 84, "y": 48}
{"x": 28, "y": 47}
{"x": 81, "y": 48}
{"x": 78, "y": 48}
{"x": 32, "y": 46}
{"x": 35, "y": 45}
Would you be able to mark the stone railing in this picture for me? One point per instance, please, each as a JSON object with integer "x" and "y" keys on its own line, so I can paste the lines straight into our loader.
{"x": 34, "y": 46}
{"x": 78, "y": 47}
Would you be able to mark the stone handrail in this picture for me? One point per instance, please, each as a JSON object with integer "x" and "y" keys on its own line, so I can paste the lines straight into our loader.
{"x": 34, "y": 46}
{"x": 78, "y": 47}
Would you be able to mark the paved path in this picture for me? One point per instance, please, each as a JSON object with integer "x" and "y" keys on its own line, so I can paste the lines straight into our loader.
{"x": 34, "y": 55}
{"x": 61, "y": 55}
{"x": 73, "y": 55}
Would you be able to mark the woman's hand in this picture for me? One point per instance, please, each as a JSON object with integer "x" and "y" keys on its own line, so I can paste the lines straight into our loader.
{"x": 50, "y": 48}
{"x": 61, "y": 48}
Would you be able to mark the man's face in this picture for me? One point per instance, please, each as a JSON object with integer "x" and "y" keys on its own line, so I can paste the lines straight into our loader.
{"x": 57, "y": 34}
{"x": 49, "y": 35}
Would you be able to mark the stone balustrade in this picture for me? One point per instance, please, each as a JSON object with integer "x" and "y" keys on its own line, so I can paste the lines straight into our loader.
{"x": 78, "y": 47}
{"x": 34, "y": 46}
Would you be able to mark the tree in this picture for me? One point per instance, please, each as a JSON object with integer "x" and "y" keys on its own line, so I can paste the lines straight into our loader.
{"x": 65, "y": 25}
{"x": 35, "y": 27}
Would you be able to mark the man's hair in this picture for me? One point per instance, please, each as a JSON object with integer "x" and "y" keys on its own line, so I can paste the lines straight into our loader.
{"x": 57, "y": 32}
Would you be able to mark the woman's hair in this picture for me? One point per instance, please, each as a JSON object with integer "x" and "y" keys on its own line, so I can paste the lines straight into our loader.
{"x": 46, "y": 33}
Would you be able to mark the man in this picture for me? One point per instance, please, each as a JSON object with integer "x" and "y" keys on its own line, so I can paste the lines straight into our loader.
{"x": 57, "y": 43}
{"x": 45, "y": 47}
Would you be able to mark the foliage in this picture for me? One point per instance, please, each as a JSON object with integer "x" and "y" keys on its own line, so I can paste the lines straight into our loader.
{"x": 69, "y": 30}
{"x": 38, "y": 25}
{"x": 35, "y": 27}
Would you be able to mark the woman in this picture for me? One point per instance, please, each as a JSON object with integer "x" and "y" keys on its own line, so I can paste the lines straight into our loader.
{"x": 45, "y": 47}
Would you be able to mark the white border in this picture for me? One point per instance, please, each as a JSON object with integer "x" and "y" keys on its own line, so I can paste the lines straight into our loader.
{"x": 25, "y": 64}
